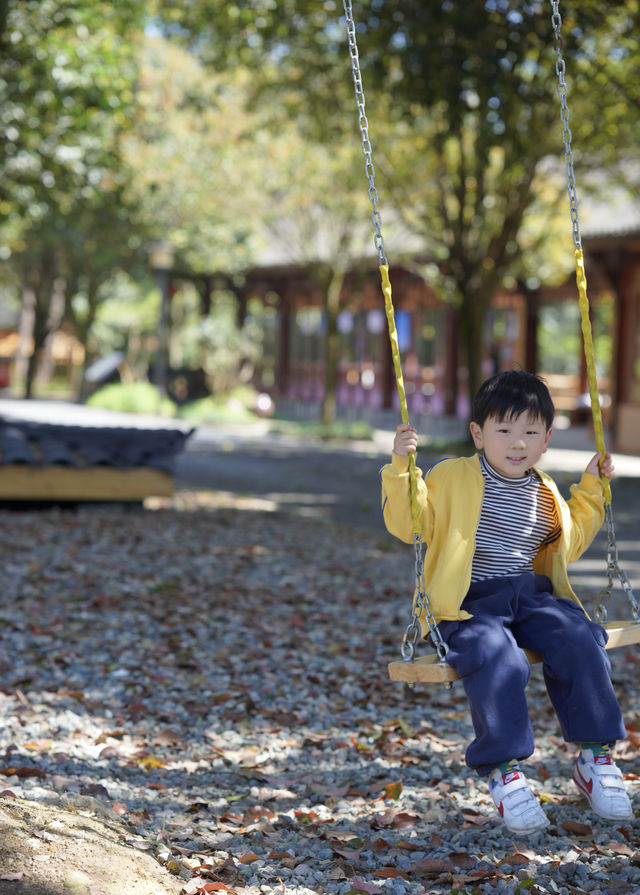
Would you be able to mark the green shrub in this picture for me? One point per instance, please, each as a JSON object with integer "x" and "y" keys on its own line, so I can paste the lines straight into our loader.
{"x": 357, "y": 430}
{"x": 231, "y": 407}
{"x": 133, "y": 397}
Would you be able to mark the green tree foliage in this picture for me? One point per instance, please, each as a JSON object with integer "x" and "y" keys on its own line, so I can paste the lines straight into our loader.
{"x": 67, "y": 82}
{"x": 192, "y": 146}
{"x": 476, "y": 85}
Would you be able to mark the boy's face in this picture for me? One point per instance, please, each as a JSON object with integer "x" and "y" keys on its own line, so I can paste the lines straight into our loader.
{"x": 512, "y": 446}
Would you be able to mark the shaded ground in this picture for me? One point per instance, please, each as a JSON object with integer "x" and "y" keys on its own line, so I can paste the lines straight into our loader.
{"x": 210, "y": 677}
{"x": 340, "y": 483}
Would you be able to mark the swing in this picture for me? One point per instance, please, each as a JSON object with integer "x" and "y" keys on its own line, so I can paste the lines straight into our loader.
{"x": 433, "y": 667}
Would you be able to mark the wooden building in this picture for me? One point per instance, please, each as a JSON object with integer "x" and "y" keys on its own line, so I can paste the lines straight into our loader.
{"x": 294, "y": 337}
{"x": 614, "y": 263}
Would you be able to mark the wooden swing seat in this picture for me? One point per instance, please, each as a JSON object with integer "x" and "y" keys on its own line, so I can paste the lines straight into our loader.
{"x": 429, "y": 669}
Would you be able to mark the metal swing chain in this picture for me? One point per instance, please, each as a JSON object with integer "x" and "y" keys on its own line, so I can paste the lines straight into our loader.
{"x": 614, "y": 570}
{"x": 558, "y": 46}
{"x": 421, "y": 607}
{"x": 364, "y": 130}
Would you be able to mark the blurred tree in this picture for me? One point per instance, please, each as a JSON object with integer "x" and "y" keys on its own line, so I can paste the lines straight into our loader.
{"x": 67, "y": 81}
{"x": 191, "y": 146}
{"x": 230, "y": 185}
{"x": 476, "y": 83}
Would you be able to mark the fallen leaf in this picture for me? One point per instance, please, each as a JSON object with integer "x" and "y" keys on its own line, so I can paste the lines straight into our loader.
{"x": 475, "y": 818}
{"x": 398, "y": 820}
{"x": 515, "y": 860}
{"x": 390, "y": 873}
{"x": 151, "y": 761}
{"x": 462, "y": 860}
{"x": 348, "y": 854}
{"x": 578, "y": 829}
{"x": 199, "y": 886}
{"x": 283, "y": 857}
{"x": 436, "y": 866}
{"x": 411, "y": 846}
{"x": 107, "y": 735}
{"x": 335, "y": 792}
{"x": 23, "y": 771}
{"x": 620, "y": 848}
{"x": 393, "y": 790}
{"x": 255, "y": 812}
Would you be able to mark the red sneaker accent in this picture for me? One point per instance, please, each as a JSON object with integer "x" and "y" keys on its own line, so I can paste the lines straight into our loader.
{"x": 582, "y": 783}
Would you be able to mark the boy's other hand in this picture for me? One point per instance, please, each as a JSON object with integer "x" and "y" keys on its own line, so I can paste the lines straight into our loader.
{"x": 607, "y": 468}
{"x": 405, "y": 441}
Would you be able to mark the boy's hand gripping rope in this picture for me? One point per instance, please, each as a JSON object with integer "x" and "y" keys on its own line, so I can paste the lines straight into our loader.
{"x": 421, "y": 607}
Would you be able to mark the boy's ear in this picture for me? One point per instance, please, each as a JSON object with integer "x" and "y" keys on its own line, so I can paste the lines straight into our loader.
{"x": 546, "y": 440}
{"x": 476, "y": 434}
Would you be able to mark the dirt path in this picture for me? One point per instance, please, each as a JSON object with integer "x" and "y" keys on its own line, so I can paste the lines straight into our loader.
{"x": 77, "y": 846}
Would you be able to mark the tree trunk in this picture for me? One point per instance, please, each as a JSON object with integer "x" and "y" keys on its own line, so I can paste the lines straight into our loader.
{"x": 40, "y": 333}
{"x": 471, "y": 326}
{"x": 82, "y": 334}
{"x": 39, "y": 279}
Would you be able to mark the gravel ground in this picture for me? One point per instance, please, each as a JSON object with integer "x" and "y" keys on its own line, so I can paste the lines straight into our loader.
{"x": 214, "y": 671}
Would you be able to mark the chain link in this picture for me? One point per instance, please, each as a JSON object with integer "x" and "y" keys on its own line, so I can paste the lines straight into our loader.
{"x": 558, "y": 46}
{"x": 421, "y": 609}
{"x": 364, "y": 130}
{"x": 614, "y": 570}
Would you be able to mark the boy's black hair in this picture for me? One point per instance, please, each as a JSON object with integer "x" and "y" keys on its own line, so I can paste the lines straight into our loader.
{"x": 506, "y": 395}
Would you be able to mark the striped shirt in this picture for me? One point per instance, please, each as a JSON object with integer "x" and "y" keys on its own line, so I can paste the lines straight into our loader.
{"x": 517, "y": 516}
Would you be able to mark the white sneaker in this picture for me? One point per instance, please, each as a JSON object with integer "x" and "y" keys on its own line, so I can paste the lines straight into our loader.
{"x": 599, "y": 779}
{"x": 515, "y": 801}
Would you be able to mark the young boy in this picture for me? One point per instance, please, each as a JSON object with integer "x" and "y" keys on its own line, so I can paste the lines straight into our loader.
{"x": 499, "y": 538}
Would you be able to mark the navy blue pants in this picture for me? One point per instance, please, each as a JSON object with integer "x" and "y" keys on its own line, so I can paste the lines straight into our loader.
{"x": 520, "y": 612}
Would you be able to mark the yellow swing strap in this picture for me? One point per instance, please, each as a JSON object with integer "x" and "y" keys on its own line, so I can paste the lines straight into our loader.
{"x": 397, "y": 368}
{"x": 592, "y": 378}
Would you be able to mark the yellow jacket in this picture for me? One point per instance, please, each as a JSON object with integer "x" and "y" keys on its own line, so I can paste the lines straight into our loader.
{"x": 450, "y": 500}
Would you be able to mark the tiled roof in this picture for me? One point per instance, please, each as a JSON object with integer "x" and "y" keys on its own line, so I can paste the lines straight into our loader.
{"x": 39, "y": 443}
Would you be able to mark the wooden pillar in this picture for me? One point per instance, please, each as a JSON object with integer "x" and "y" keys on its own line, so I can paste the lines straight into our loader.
{"x": 624, "y": 337}
{"x": 283, "y": 357}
